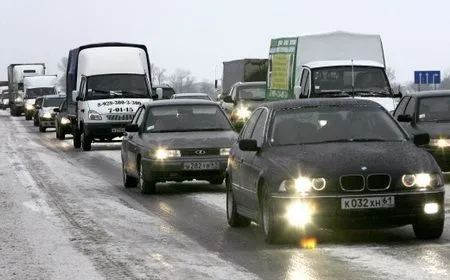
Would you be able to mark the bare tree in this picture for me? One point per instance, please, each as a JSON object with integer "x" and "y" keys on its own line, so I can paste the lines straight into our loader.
{"x": 182, "y": 81}
{"x": 158, "y": 74}
{"x": 62, "y": 67}
{"x": 445, "y": 81}
{"x": 390, "y": 73}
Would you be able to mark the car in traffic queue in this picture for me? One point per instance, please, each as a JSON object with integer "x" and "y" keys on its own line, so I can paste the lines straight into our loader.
{"x": 203, "y": 96}
{"x": 332, "y": 163}
{"x": 244, "y": 97}
{"x": 30, "y": 99}
{"x": 176, "y": 140}
{"x": 63, "y": 121}
{"x": 46, "y": 114}
{"x": 428, "y": 111}
{"x": 4, "y": 100}
{"x": 37, "y": 105}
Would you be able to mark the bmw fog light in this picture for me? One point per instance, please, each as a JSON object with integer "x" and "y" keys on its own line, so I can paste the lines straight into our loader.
{"x": 431, "y": 208}
{"x": 162, "y": 153}
{"x": 299, "y": 214}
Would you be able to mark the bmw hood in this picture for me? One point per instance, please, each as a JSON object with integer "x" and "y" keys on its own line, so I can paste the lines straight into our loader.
{"x": 192, "y": 140}
{"x": 335, "y": 159}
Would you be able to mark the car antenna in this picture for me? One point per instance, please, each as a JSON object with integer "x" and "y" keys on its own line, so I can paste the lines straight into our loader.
{"x": 353, "y": 81}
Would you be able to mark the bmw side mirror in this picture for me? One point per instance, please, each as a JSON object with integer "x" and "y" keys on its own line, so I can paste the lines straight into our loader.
{"x": 421, "y": 139}
{"x": 404, "y": 118}
{"x": 132, "y": 128}
{"x": 248, "y": 145}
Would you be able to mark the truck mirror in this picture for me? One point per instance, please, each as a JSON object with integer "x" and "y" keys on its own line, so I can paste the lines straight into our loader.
{"x": 74, "y": 95}
{"x": 297, "y": 91}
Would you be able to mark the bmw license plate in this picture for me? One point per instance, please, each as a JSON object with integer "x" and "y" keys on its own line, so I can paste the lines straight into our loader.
{"x": 118, "y": 129}
{"x": 201, "y": 165}
{"x": 368, "y": 202}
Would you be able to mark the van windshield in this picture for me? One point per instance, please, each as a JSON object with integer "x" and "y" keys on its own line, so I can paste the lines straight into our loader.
{"x": 35, "y": 92}
{"x": 367, "y": 81}
{"x": 116, "y": 86}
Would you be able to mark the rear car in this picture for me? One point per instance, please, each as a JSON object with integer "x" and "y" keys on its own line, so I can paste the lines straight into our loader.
{"x": 46, "y": 114}
{"x": 332, "y": 163}
{"x": 243, "y": 99}
{"x": 30, "y": 98}
{"x": 202, "y": 96}
{"x": 428, "y": 111}
{"x": 176, "y": 140}
{"x": 4, "y": 100}
{"x": 63, "y": 121}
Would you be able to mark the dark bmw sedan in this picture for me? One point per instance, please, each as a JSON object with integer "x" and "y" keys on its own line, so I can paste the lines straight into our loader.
{"x": 429, "y": 111}
{"x": 333, "y": 164}
{"x": 176, "y": 140}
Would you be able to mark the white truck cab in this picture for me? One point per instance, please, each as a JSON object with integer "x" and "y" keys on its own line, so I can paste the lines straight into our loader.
{"x": 112, "y": 82}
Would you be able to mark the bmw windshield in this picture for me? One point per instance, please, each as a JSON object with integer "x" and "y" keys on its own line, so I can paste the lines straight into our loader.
{"x": 333, "y": 124}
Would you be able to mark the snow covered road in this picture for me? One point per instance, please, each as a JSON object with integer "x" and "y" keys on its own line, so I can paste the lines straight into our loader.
{"x": 65, "y": 215}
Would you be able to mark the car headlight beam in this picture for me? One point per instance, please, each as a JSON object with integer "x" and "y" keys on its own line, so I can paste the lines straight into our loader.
{"x": 29, "y": 106}
{"x": 440, "y": 143}
{"x": 65, "y": 120}
{"x": 162, "y": 154}
{"x": 225, "y": 152}
{"x": 47, "y": 115}
{"x": 303, "y": 185}
{"x": 421, "y": 180}
{"x": 243, "y": 113}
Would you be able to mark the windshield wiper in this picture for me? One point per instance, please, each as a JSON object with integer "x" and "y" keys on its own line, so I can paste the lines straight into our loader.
{"x": 371, "y": 93}
{"x": 341, "y": 93}
{"x": 256, "y": 99}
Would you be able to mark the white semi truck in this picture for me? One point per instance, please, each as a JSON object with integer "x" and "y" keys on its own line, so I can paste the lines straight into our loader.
{"x": 16, "y": 74}
{"x": 336, "y": 64}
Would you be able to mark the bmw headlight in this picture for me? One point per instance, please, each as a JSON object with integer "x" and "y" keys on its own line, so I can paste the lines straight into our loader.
{"x": 440, "y": 143}
{"x": 65, "y": 120}
{"x": 47, "y": 115}
{"x": 94, "y": 115}
{"x": 421, "y": 180}
{"x": 163, "y": 153}
{"x": 225, "y": 152}
{"x": 303, "y": 185}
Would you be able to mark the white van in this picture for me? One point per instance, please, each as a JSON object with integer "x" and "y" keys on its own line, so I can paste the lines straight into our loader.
{"x": 112, "y": 81}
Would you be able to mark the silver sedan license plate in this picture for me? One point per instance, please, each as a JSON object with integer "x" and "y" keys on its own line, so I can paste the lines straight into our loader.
{"x": 201, "y": 165}
{"x": 368, "y": 202}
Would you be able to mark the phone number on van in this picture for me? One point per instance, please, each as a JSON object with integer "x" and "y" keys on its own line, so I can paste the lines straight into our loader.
{"x": 118, "y": 102}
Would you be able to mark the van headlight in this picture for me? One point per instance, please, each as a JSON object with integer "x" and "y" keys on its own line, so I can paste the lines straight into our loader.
{"x": 94, "y": 115}
{"x": 421, "y": 180}
{"x": 303, "y": 185}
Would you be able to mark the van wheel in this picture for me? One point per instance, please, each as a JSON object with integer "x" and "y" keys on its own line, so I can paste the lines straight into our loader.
{"x": 76, "y": 138}
{"x": 86, "y": 142}
{"x": 35, "y": 122}
{"x": 27, "y": 117}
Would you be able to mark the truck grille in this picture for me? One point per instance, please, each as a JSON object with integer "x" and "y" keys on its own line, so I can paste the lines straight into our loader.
{"x": 352, "y": 183}
{"x": 120, "y": 117}
{"x": 378, "y": 182}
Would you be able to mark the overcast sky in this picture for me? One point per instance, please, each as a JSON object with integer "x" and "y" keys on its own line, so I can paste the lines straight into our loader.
{"x": 199, "y": 34}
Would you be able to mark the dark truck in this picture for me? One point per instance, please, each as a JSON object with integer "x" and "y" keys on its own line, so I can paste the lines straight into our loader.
{"x": 242, "y": 70}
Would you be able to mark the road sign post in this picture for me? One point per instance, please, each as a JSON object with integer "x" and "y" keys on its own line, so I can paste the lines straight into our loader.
{"x": 427, "y": 78}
